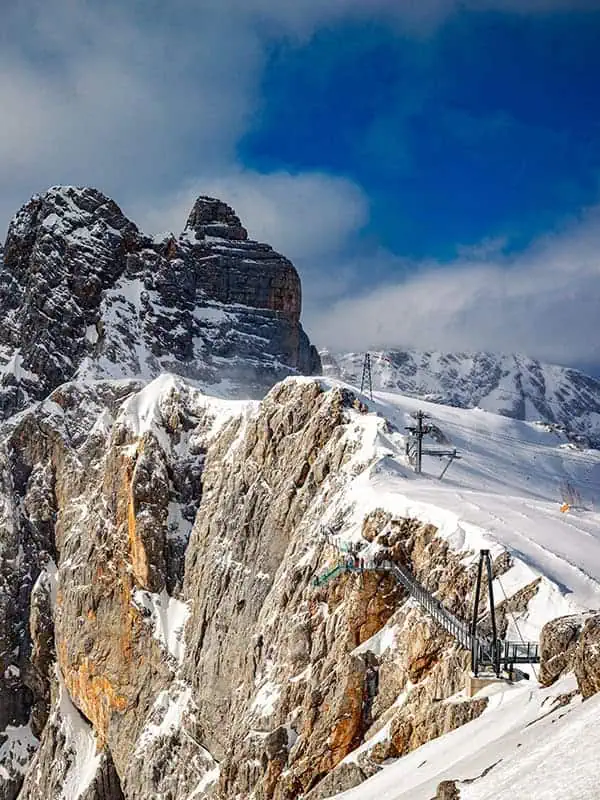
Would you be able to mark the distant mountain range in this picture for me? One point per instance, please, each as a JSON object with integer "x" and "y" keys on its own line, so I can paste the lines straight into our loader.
{"x": 511, "y": 385}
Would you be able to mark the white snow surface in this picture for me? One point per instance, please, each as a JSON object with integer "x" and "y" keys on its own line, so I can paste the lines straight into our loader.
{"x": 166, "y": 716}
{"x": 15, "y": 368}
{"x": 513, "y": 385}
{"x": 167, "y": 616}
{"x": 266, "y": 699}
{"x": 503, "y": 493}
{"x": 16, "y": 750}
{"x": 145, "y": 411}
{"x": 167, "y": 720}
{"x": 524, "y": 745}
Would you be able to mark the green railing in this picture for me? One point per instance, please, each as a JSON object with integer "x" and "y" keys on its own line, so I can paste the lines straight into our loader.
{"x": 320, "y": 580}
{"x": 501, "y": 653}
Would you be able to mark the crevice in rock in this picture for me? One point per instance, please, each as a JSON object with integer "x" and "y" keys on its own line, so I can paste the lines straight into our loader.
{"x": 106, "y": 784}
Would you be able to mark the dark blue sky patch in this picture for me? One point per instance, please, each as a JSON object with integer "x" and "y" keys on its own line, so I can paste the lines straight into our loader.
{"x": 489, "y": 128}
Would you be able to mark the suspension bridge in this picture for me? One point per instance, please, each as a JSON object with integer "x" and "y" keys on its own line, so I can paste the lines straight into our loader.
{"x": 488, "y": 652}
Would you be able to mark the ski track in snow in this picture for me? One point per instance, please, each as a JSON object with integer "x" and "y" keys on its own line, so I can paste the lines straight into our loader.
{"x": 508, "y": 484}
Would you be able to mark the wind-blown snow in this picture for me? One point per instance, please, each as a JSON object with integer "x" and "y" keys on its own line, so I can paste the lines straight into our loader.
{"x": 147, "y": 410}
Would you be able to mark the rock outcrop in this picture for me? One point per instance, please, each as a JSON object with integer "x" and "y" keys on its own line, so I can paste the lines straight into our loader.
{"x": 587, "y": 657}
{"x": 168, "y": 639}
{"x": 572, "y": 644}
{"x": 85, "y": 294}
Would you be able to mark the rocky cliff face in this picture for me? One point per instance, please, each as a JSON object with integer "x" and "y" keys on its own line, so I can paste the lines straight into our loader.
{"x": 515, "y": 386}
{"x": 161, "y": 634}
{"x": 271, "y": 692}
{"x": 167, "y": 640}
{"x": 85, "y": 294}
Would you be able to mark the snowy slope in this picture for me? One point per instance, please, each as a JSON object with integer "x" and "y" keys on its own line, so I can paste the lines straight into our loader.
{"x": 512, "y": 385}
{"x": 503, "y": 493}
{"x": 524, "y": 745}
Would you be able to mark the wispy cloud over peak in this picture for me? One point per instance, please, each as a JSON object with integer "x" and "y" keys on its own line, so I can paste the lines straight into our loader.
{"x": 543, "y": 302}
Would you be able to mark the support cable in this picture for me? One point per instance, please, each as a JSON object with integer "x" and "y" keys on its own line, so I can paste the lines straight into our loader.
{"x": 523, "y": 642}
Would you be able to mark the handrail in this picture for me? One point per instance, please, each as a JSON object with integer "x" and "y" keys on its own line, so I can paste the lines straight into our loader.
{"x": 321, "y": 579}
{"x": 489, "y": 652}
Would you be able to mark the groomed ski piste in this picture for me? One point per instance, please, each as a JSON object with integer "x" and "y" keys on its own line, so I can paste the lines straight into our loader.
{"x": 505, "y": 493}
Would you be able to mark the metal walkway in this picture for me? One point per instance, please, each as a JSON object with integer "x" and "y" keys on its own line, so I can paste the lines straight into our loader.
{"x": 485, "y": 651}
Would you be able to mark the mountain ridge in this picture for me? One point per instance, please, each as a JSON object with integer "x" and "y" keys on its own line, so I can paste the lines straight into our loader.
{"x": 86, "y": 294}
{"x": 515, "y": 386}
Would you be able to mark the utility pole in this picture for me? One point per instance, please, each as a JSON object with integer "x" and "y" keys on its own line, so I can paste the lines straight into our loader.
{"x": 416, "y": 451}
{"x": 366, "y": 376}
{"x": 418, "y": 431}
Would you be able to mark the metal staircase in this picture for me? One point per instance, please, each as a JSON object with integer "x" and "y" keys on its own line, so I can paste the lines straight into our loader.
{"x": 486, "y": 652}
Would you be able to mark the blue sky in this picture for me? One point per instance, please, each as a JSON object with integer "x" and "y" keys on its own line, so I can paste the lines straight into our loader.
{"x": 489, "y": 127}
{"x": 432, "y": 167}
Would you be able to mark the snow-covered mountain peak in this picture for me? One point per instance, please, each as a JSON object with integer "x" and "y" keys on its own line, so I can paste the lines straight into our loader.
{"x": 512, "y": 385}
{"x": 85, "y": 294}
{"x": 65, "y": 209}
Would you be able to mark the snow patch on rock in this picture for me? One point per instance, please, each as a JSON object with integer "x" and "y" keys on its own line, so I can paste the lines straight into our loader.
{"x": 167, "y": 616}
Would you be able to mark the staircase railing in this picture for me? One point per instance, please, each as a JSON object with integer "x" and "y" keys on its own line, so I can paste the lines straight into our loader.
{"x": 498, "y": 654}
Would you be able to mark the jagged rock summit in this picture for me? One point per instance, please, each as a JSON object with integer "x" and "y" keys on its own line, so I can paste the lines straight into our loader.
{"x": 211, "y": 217}
{"x": 85, "y": 294}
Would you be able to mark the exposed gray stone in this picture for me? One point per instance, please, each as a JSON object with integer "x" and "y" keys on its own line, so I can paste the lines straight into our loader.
{"x": 84, "y": 293}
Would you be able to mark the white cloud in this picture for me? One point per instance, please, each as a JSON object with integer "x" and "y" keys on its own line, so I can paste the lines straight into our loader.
{"x": 131, "y": 99}
{"x": 543, "y": 302}
{"x": 138, "y": 102}
{"x": 304, "y": 216}
{"x": 92, "y": 96}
